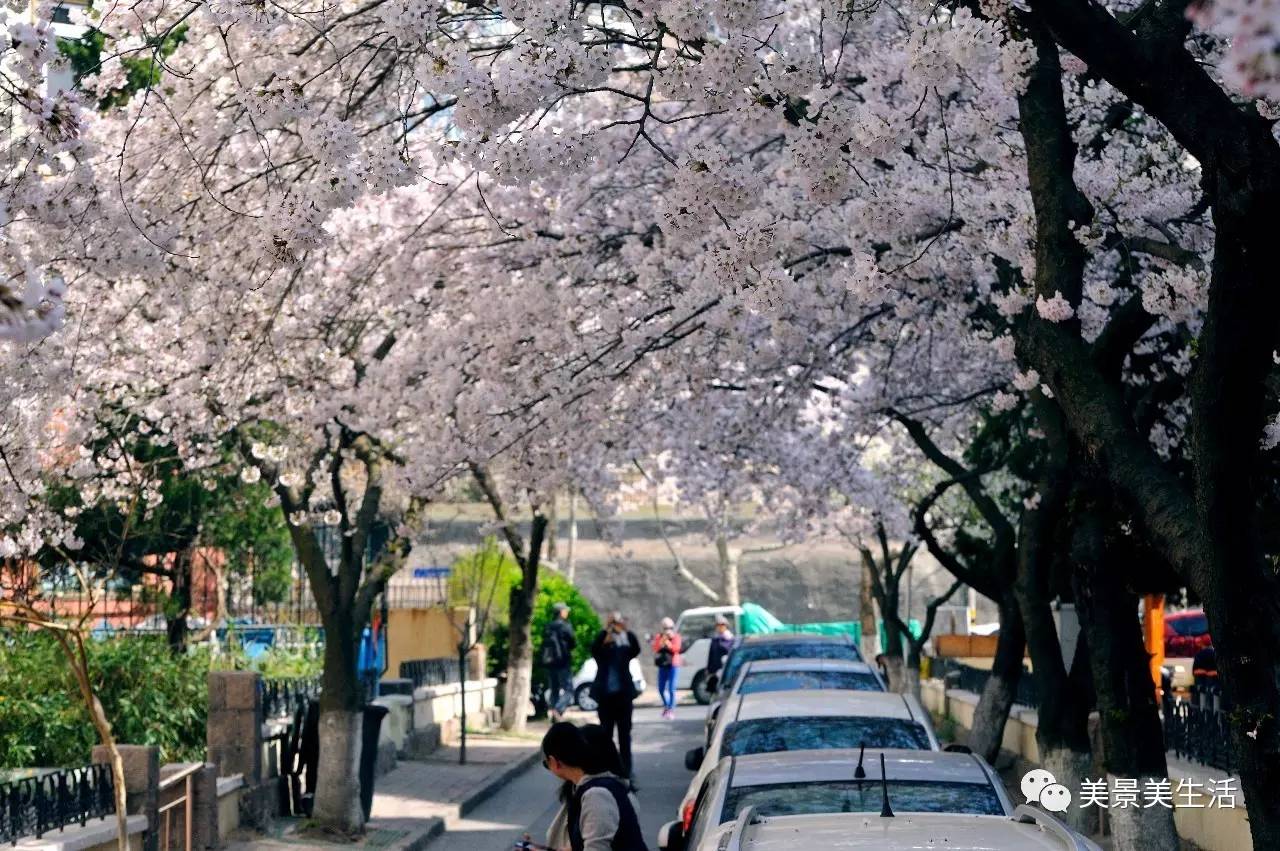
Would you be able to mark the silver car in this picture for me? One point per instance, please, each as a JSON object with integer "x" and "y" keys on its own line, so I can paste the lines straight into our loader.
{"x": 829, "y": 781}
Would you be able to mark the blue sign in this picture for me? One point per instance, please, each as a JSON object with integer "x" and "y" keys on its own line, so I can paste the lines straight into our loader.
{"x": 431, "y": 572}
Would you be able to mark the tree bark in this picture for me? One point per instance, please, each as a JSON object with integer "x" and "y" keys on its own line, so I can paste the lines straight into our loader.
{"x": 868, "y": 642}
{"x": 992, "y": 712}
{"x": 1132, "y": 736}
{"x": 179, "y": 600}
{"x": 520, "y": 646}
{"x": 729, "y": 570}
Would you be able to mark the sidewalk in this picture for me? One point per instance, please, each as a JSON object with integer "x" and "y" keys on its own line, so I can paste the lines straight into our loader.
{"x": 417, "y": 801}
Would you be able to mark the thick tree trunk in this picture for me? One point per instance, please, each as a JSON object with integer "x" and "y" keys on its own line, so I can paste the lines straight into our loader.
{"x": 1132, "y": 737}
{"x": 337, "y": 802}
{"x": 910, "y": 677}
{"x": 520, "y": 647}
{"x": 992, "y": 712}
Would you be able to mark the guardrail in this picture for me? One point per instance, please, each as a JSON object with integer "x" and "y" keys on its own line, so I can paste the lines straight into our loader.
{"x": 1197, "y": 730}
{"x": 33, "y": 806}
{"x": 176, "y": 825}
{"x": 283, "y": 698}
{"x": 967, "y": 677}
{"x": 431, "y": 672}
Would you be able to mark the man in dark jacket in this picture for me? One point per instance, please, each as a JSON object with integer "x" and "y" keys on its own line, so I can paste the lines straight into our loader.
{"x": 614, "y": 689}
{"x": 721, "y": 644}
{"x": 558, "y": 642}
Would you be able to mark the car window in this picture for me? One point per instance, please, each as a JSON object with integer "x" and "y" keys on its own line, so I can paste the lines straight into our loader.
{"x": 704, "y": 815}
{"x": 697, "y": 626}
{"x": 1192, "y": 625}
{"x": 770, "y": 735}
{"x": 791, "y": 799}
{"x": 786, "y": 650}
{"x": 758, "y": 681}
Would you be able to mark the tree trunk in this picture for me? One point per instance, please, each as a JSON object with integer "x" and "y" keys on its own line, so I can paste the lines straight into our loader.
{"x": 553, "y": 526}
{"x": 570, "y": 556}
{"x": 179, "y": 601}
{"x": 520, "y": 647}
{"x": 992, "y": 712}
{"x": 910, "y": 677}
{"x": 868, "y": 642}
{"x": 729, "y": 570}
{"x": 337, "y": 801}
{"x": 1132, "y": 737}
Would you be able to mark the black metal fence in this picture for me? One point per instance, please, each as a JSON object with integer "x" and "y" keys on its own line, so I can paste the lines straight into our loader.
{"x": 34, "y": 806}
{"x": 283, "y": 698}
{"x": 1197, "y": 730}
{"x": 967, "y": 677}
{"x": 431, "y": 672}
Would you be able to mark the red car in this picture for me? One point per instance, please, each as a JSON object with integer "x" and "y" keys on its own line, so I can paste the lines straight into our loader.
{"x": 1186, "y": 633}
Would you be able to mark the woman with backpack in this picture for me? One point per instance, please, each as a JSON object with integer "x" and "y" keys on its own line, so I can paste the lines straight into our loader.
{"x": 599, "y": 812}
{"x": 666, "y": 655}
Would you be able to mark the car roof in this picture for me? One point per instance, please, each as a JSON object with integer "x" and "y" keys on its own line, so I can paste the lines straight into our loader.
{"x": 711, "y": 610}
{"x": 810, "y": 637}
{"x": 844, "y": 831}
{"x": 795, "y": 703}
{"x": 839, "y": 764}
{"x": 759, "y": 666}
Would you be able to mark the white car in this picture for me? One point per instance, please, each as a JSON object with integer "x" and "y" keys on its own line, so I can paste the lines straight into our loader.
{"x": 587, "y": 675}
{"x": 1029, "y": 829}
{"x": 768, "y": 675}
{"x": 770, "y": 722}
{"x": 828, "y": 781}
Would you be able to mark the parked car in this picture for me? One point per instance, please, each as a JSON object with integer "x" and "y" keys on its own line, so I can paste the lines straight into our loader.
{"x": 1028, "y": 829}
{"x": 777, "y": 645}
{"x": 771, "y": 722}
{"x": 768, "y": 675}
{"x": 586, "y": 676}
{"x": 813, "y": 782}
{"x": 1186, "y": 633}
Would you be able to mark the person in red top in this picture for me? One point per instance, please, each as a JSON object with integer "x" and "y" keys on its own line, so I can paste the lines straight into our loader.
{"x": 666, "y": 655}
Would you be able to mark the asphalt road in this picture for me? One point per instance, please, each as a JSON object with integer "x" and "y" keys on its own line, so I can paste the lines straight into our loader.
{"x": 528, "y": 803}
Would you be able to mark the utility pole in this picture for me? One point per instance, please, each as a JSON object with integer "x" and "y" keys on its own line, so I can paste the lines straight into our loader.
{"x": 570, "y": 550}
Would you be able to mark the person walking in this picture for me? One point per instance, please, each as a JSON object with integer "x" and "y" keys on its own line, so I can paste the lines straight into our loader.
{"x": 558, "y": 642}
{"x": 614, "y": 689}
{"x": 666, "y": 655}
{"x": 599, "y": 813}
{"x": 721, "y": 644}
{"x": 605, "y": 760}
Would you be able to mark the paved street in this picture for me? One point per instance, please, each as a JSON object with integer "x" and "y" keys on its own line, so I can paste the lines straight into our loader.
{"x": 528, "y": 803}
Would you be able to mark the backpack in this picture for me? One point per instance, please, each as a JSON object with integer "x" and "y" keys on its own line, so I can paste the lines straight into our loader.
{"x": 664, "y": 657}
{"x": 553, "y": 654}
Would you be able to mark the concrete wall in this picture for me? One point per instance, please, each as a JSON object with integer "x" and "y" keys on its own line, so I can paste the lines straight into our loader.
{"x": 1210, "y": 828}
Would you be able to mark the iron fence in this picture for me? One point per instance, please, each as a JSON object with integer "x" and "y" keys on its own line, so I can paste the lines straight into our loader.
{"x": 968, "y": 678}
{"x": 34, "y": 806}
{"x": 431, "y": 672}
{"x": 282, "y": 698}
{"x": 1197, "y": 730}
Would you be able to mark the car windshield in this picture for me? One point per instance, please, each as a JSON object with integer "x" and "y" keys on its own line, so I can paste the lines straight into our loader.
{"x": 1193, "y": 625}
{"x": 850, "y": 796}
{"x": 786, "y": 650}
{"x": 787, "y": 680}
{"x": 770, "y": 735}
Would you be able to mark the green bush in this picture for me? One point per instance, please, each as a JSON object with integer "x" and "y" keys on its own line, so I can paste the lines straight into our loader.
{"x": 150, "y": 697}
{"x": 552, "y": 588}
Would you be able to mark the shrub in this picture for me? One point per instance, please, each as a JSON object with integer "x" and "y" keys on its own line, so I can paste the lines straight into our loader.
{"x": 552, "y": 588}
{"x": 150, "y": 696}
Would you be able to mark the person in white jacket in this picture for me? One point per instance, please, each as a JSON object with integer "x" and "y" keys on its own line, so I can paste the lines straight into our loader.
{"x": 599, "y": 813}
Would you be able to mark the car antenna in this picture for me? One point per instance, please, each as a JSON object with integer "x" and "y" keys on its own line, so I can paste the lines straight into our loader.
{"x": 860, "y": 773}
{"x": 885, "y": 810}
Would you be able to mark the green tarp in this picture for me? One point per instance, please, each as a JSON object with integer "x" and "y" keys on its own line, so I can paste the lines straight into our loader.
{"x": 756, "y": 620}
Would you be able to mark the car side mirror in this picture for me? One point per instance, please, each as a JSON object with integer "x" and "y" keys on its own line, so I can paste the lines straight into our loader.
{"x": 671, "y": 837}
{"x": 693, "y": 758}
{"x": 958, "y": 748}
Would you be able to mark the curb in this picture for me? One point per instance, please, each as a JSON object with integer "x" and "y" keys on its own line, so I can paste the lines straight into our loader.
{"x": 419, "y": 841}
{"x": 489, "y": 787}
